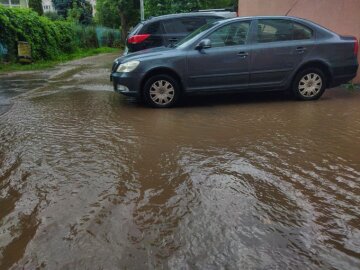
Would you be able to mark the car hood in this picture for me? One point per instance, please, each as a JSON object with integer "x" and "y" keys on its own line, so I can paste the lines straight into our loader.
{"x": 146, "y": 54}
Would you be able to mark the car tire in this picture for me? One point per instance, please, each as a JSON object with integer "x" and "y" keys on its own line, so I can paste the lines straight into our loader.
{"x": 309, "y": 84}
{"x": 161, "y": 91}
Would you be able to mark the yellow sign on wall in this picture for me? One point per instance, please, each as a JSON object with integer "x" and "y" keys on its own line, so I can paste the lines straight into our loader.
{"x": 24, "y": 52}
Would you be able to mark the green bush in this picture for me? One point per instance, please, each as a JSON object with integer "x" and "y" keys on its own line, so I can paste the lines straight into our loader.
{"x": 53, "y": 16}
{"x": 48, "y": 39}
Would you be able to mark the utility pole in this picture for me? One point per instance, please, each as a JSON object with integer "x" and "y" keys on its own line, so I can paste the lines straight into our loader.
{"x": 142, "y": 10}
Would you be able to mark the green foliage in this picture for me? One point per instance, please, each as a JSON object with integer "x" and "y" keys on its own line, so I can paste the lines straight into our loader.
{"x": 79, "y": 11}
{"x": 36, "y": 5}
{"x": 48, "y": 39}
{"x": 62, "y": 6}
{"x": 125, "y": 13}
{"x": 351, "y": 86}
{"x": 53, "y": 16}
{"x": 115, "y": 13}
{"x": 129, "y": 15}
{"x": 107, "y": 13}
{"x": 74, "y": 13}
{"x": 161, "y": 7}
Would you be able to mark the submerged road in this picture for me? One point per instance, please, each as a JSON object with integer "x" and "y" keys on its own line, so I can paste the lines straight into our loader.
{"x": 92, "y": 180}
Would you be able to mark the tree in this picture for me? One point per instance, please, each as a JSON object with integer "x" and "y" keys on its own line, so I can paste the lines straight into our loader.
{"x": 157, "y": 7}
{"x": 107, "y": 13}
{"x": 160, "y": 7}
{"x": 62, "y": 6}
{"x": 36, "y": 5}
{"x": 115, "y": 13}
{"x": 53, "y": 16}
{"x": 80, "y": 12}
{"x": 126, "y": 13}
{"x": 75, "y": 10}
{"x": 129, "y": 15}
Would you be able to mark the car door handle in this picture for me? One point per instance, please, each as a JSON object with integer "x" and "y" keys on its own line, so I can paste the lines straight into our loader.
{"x": 300, "y": 50}
{"x": 243, "y": 54}
{"x": 173, "y": 39}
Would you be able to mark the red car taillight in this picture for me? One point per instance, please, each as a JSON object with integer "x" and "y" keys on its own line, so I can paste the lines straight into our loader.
{"x": 138, "y": 38}
{"x": 356, "y": 46}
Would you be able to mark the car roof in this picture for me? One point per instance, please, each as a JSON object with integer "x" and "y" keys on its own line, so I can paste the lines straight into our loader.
{"x": 219, "y": 14}
{"x": 269, "y": 17}
{"x": 297, "y": 19}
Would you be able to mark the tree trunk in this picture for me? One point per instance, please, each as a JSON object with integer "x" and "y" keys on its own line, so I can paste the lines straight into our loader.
{"x": 124, "y": 26}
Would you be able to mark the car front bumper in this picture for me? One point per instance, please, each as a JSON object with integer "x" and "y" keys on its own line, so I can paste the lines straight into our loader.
{"x": 127, "y": 84}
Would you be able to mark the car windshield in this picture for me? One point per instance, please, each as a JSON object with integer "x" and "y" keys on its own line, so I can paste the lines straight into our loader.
{"x": 188, "y": 39}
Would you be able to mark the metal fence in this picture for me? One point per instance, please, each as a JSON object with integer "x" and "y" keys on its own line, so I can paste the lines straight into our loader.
{"x": 108, "y": 37}
{"x": 3, "y": 52}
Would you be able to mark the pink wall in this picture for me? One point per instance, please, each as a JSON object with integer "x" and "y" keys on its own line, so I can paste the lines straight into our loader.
{"x": 341, "y": 16}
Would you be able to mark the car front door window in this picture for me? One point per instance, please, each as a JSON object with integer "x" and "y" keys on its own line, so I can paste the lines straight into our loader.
{"x": 230, "y": 35}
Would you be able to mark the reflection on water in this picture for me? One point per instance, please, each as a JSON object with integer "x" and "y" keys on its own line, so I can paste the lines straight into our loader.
{"x": 92, "y": 180}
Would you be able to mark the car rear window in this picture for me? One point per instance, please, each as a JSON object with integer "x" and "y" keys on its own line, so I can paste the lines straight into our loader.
{"x": 135, "y": 29}
{"x": 153, "y": 28}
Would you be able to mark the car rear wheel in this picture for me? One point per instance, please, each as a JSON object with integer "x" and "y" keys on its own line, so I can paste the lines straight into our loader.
{"x": 309, "y": 84}
{"x": 161, "y": 91}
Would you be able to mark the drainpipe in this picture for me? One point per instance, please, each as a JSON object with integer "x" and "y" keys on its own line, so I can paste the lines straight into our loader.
{"x": 142, "y": 10}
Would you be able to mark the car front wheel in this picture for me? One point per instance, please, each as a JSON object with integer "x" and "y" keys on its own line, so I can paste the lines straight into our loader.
{"x": 309, "y": 84}
{"x": 161, "y": 91}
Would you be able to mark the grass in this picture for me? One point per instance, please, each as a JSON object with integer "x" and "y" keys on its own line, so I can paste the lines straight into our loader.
{"x": 352, "y": 86}
{"x": 4, "y": 68}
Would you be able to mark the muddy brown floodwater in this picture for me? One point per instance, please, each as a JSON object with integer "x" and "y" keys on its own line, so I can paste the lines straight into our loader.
{"x": 92, "y": 180}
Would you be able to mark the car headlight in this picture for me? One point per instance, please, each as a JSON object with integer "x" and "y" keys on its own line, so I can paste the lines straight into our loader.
{"x": 128, "y": 66}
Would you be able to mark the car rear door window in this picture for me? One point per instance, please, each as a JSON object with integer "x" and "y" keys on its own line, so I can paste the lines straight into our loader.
{"x": 230, "y": 35}
{"x": 281, "y": 30}
{"x": 274, "y": 30}
{"x": 301, "y": 32}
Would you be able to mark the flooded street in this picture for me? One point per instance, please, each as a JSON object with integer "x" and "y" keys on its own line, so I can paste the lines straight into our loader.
{"x": 90, "y": 179}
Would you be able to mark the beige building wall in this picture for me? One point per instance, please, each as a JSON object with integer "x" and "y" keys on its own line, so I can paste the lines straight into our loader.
{"x": 341, "y": 16}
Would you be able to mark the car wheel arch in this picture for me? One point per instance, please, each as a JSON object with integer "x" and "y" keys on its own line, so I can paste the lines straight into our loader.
{"x": 159, "y": 71}
{"x": 323, "y": 66}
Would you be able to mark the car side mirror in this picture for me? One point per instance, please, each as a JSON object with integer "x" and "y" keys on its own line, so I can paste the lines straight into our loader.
{"x": 203, "y": 44}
